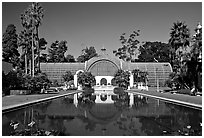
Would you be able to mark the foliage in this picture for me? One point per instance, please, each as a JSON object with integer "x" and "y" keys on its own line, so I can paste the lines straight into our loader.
{"x": 55, "y": 83}
{"x": 186, "y": 59}
{"x": 140, "y": 76}
{"x": 25, "y": 42}
{"x": 179, "y": 40}
{"x": 154, "y": 51}
{"x": 10, "y": 47}
{"x": 70, "y": 59}
{"x": 187, "y": 78}
{"x": 70, "y": 85}
{"x": 12, "y": 81}
{"x": 197, "y": 44}
{"x": 44, "y": 58}
{"x": 36, "y": 83}
{"x": 31, "y": 19}
{"x": 195, "y": 64}
{"x": 129, "y": 50}
{"x": 68, "y": 76}
{"x": 180, "y": 80}
{"x": 122, "y": 78}
{"x": 57, "y": 51}
{"x": 42, "y": 44}
{"x": 42, "y": 132}
{"x": 86, "y": 79}
{"x": 87, "y": 54}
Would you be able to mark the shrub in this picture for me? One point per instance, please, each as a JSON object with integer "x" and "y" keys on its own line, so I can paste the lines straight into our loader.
{"x": 86, "y": 79}
{"x": 36, "y": 83}
{"x": 68, "y": 76}
{"x": 55, "y": 83}
{"x": 121, "y": 78}
{"x": 12, "y": 81}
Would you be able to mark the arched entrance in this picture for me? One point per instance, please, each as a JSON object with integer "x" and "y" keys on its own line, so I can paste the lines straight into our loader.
{"x": 103, "y": 81}
{"x": 75, "y": 78}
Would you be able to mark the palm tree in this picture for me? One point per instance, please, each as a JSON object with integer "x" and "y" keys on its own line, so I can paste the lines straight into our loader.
{"x": 31, "y": 20}
{"x": 24, "y": 40}
{"x": 26, "y": 22}
{"x": 38, "y": 13}
{"x": 179, "y": 40}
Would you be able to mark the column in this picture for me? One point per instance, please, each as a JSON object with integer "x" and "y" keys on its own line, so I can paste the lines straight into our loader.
{"x": 131, "y": 80}
{"x": 75, "y": 80}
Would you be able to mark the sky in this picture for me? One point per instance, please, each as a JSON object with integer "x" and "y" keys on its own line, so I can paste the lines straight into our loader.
{"x": 100, "y": 24}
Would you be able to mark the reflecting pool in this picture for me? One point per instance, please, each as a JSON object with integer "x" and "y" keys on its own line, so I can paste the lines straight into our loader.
{"x": 106, "y": 114}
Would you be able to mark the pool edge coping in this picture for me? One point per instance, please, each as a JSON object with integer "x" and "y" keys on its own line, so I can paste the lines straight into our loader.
{"x": 10, "y": 107}
{"x": 197, "y": 106}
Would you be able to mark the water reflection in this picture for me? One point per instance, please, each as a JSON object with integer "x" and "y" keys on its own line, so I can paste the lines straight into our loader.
{"x": 126, "y": 114}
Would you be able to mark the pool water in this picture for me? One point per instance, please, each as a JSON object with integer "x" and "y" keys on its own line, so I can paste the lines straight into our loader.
{"x": 117, "y": 117}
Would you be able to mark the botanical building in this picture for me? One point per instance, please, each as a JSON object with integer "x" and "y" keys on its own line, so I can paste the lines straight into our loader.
{"x": 104, "y": 66}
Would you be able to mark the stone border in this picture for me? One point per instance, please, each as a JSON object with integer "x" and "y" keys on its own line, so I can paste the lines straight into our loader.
{"x": 187, "y": 104}
{"x": 13, "y": 107}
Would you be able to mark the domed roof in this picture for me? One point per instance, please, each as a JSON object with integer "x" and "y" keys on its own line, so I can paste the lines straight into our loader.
{"x": 103, "y": 57}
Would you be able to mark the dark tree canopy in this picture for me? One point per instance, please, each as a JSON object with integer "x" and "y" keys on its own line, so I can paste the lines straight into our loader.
{"x": 44, "y": 58}
{"x": 70, "y": 58}
{"x": 10, "y": 46}
{"x": 57, "y": 51}
{"x": 154, "y": 52}
{"x": 87, "y": 54}
{"x": 42, "y": 44}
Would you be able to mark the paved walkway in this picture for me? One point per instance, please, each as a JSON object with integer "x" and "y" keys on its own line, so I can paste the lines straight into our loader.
{"x": 194, "y": 101}
{"x": 13, "y": 101}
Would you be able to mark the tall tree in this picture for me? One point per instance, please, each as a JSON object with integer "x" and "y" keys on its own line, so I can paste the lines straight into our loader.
{"x": 195, "y": 64}
{"x": 38, "y": 13}
{"x": 28, "y": 25}
{"x": 87, "y": 54}
{"x": 57, "y": 51}
{"x": 154, "y": 52}
{"x": 179, "y": 40}
{"x": 129, "y": 49}
{"x": 10, "y": 45}
{"x": 196, "y": 51}
{"x": 24, "y": 41}
{"x": 31, "y": 20}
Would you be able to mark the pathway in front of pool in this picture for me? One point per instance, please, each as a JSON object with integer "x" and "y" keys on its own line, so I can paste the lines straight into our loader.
{"x": 15, "y": 101}
{"x": 182, "y": 99}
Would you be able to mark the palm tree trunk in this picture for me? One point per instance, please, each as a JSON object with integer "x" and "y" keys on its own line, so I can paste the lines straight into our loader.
{"x": 33, "y": 56}
{"x": 30, "y": 67}
{"x": 26, "y": 64}
{"x": 38, "y": 49}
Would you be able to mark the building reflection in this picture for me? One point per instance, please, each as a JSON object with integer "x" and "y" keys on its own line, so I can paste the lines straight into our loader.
{"x": 110, "y": 113}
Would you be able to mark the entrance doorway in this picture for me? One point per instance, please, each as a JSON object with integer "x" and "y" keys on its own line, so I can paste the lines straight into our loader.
{"x": 103, "y": 81}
